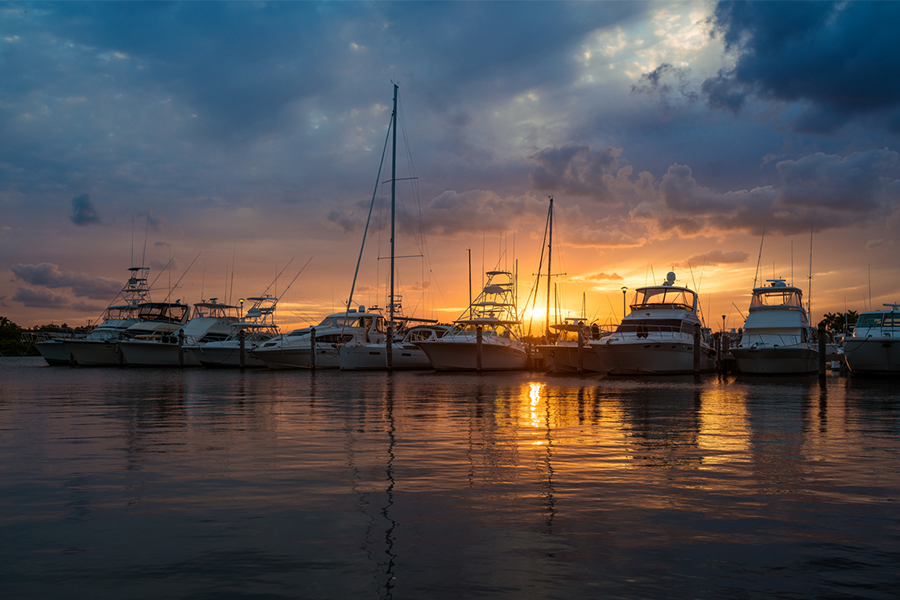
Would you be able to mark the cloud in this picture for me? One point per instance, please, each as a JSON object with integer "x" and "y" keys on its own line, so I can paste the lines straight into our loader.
{"x": 670, "y": 86}
{"x": 825, "y": 191}
{"x": 837, "y": 60}
{"x": 452, "y": 213}
{"x": 39, "y": 298}
{"x": 576, "y": 170}
{"x": 83, "y": 210}
{"x": 48, "y": 275}
{"x": 87, "y": 308}
{"x": 603, "y": 277}
{"x": 872, "y": 244}
{"x": 716, "y": 257}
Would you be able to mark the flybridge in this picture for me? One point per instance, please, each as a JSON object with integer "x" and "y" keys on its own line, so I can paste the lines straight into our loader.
{"x": 777, "y": 295}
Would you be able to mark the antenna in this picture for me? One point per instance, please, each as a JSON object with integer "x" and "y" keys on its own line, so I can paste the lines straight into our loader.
{"x": 809, "y": 286}
{"x": 146, "y": 232}
{"x": 756, "y": 275}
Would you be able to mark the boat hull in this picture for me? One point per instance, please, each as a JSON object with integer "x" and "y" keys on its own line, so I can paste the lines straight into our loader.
{"x": 54, "y": 352}
{"x": 219, "y": 355}
{"x": 153, "y": 353}
{"x": 373, "y": 357}
{"x": 649, "y": 357}
{"x": 776, "y": 361}
{"x": 95, "y": 353}
{"x": 327, "y": 357}
{"x": 448, "y": 355}
{"x": 560, "y": 358}
{"x": 879, "y": 355}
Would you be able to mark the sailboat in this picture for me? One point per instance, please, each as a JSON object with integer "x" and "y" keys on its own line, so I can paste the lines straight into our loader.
{"x": 361, "y": 354}
{"x": 566, "y": 355}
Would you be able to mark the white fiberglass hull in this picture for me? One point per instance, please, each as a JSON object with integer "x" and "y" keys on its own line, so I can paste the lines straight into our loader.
{"x": 872, "y": 355}
{"x": 95, "y": 353}
{"x": 224, "y": 355}
{"x": 373, "y": 357}
{"x": 54, "y": 352}
{"x": 776, "y": 361}
{"x": 447, "y": 354}
{"x": 651, "y": 357}
{"x": 563, "y": 358}
{"x": 327, "y": 357}
{"x": 154, "y": 353}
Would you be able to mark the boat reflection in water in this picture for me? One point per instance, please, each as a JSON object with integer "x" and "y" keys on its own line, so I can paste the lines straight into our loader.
{"x": 420, "y": 484}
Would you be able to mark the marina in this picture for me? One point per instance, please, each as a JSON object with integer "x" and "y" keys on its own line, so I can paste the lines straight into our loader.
{"x": 153, "y": 482}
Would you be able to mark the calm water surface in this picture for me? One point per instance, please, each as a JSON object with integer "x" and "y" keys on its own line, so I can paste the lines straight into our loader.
{"x": 129, "y": 483}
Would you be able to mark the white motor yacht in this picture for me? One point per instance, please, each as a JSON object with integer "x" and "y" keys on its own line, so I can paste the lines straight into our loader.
{"x": 874, "y": 346}
{"x": 562, "y": 357}
{"x": 776, "y": 338}
{"x": 294, "y": 350}
{"x": 210, "y": 322}
{"x": 118, "y": 316}
{"x": 494, "y": 313}
{"x": 256, "y": 328}
{"x": 103, "y": 350}
{"x": 405, "y": 353}
{"x": 657, "y": 336}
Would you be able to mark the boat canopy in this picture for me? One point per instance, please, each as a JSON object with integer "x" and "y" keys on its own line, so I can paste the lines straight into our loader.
{"x": 777, "y": 295}
{"x": 664, "y": 297}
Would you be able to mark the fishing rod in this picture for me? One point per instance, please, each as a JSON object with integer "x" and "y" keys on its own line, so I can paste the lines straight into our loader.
{"x": 182, "y": 277}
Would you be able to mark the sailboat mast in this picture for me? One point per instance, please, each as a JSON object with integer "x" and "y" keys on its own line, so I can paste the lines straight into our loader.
{"x": 393, "y": 201}
{"x": 549, "y": 257}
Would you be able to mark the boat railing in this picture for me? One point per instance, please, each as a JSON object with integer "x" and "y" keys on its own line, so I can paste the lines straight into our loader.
{"x": 659, "y": 333}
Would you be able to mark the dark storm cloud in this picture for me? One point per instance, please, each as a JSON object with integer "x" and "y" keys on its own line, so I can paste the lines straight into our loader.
{"x": 576, "y": 170}
{"x": 838, "y": 59}
{"x": 242, "y": 66}
{"x": 820, "y": 190}
{"x": 83, "y": 210}
{"x": 49, "y": 276}
{"x": 39, "y": 298}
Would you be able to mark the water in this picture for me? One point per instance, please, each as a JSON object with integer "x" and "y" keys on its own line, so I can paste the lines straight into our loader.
{"x": 129, "y": 483}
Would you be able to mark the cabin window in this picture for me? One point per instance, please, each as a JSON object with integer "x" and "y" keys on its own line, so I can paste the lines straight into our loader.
{"x": 870, "y": 320}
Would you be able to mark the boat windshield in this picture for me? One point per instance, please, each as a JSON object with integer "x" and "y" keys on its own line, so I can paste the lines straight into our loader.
{"x": 663, "y": 297}
{"x": 353, "y": 321}
{"x": 788, "y": 297}
{"x": 163, "y": 311}
{"x": 644, "y": 326}
{"x": 869, "y": 320}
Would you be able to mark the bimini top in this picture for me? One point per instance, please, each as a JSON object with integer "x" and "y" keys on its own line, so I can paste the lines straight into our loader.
{"x": 665, "y": 296}
{"x": 777, "y": 295}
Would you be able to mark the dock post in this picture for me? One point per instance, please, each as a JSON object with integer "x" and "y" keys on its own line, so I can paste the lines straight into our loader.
{"x": 822, "y": 349}
{"x": 696, "y": 348}
{"x": 726, "y": 348}
{"x": 479, "y": 348}
{"x": 389, "y": 347}
{"x": 242, "y": 337}
{"x": 312, "y": 348}
{"x": 580, "y": 353}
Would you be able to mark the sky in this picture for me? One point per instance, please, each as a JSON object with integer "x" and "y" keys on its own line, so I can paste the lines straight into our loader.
{"x": 218, "y": 143}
